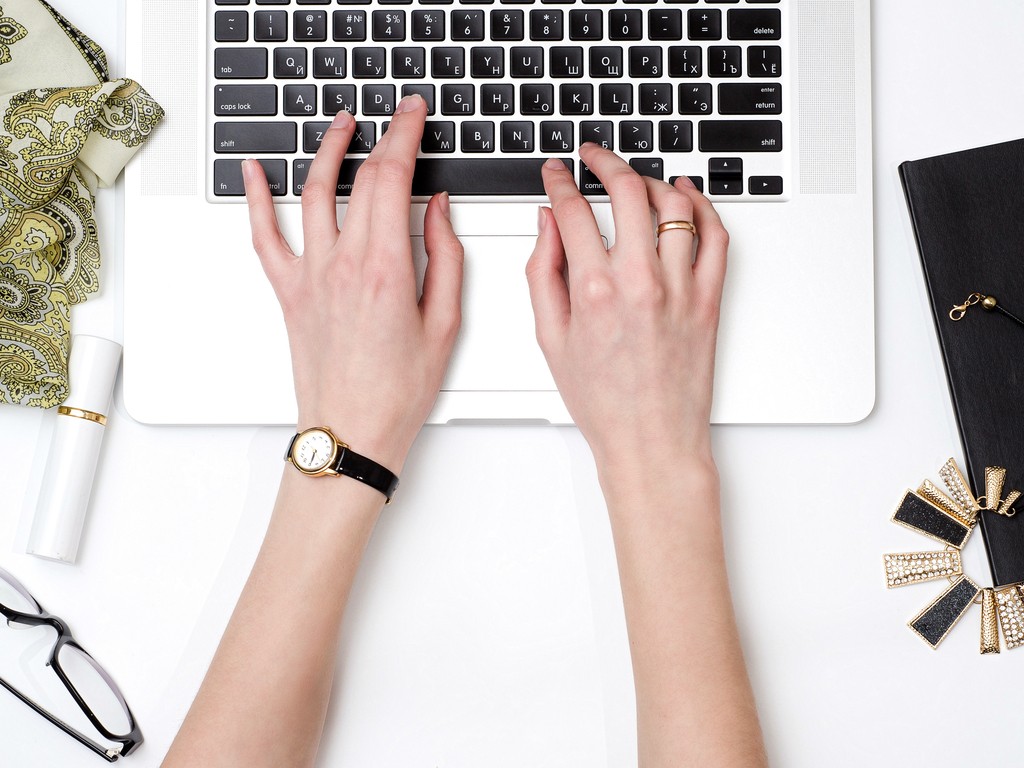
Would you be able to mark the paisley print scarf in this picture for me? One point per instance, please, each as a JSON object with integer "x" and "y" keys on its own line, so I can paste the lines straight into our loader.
{"x": 66, "y": 130}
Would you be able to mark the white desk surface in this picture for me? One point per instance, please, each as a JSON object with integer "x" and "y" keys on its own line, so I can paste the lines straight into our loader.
{"x": 445, "y": 661}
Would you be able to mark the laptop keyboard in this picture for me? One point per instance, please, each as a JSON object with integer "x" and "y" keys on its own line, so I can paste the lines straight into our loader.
{"x": 675, "y": 87}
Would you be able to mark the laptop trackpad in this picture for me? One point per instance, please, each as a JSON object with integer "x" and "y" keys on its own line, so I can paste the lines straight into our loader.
{"x": 497, "y": 347}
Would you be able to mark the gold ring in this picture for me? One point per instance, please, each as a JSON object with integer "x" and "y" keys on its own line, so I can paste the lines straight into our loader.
{"x": 665, "y": 226}
{"x": 78, "y": 413}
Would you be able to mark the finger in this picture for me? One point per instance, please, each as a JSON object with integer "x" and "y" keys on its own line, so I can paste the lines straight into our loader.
{"x": 267, "y": 240}
{"x": 441, "y": 302}
{"x": 319, "y": 195}
{"x": 397, "y": 161}
{"x": 712, "y": 243}
{"x": 631, "y": 210}
{"x": 548, "y": 292}
{"x": 578, "y": 231}
{"x": 675, "y": 246}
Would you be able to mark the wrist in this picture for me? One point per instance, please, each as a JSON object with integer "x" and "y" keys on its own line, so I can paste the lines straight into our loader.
{"x": 662, "y": 479}
{"x": 388, "y": 446}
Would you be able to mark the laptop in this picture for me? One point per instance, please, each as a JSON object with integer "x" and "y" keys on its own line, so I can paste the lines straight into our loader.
{"x": 765, "y": 105}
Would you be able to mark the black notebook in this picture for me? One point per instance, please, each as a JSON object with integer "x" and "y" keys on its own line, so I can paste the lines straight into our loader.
{"x": 967, "y": 210}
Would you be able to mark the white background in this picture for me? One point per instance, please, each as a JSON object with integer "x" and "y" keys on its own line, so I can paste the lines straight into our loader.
{"x": 486, "y": 627}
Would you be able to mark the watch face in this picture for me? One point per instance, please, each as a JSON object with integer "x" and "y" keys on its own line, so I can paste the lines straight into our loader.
{"x": 313, "y": 450}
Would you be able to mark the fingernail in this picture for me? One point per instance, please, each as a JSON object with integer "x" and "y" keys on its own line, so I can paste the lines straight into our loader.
{"x": 342, "y": 119}
{"x": 445, "y": 203}
{"x": 247, "y": 169}
{"x": 554, "y": 164}
{"x": 686, "y": 182}
{"x": 410, "y": 102}
{"x": 542, "y": 219}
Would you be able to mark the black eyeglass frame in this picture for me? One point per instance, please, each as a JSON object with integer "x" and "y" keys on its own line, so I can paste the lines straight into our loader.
{"x": 129, "y": 742}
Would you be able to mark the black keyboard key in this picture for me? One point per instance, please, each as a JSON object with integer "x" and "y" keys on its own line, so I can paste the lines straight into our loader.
{"x": 378, "y": 100}
{"x": 477, "y": 136}
{"x": 232, "y": 2}
{"x": 388, "y": 25}
{"x": 239, "y": 137}
{"x": 765, "y": 185}
{"x": 363, "y": 138}
{"x": 636, "y": 136}
{"x": 566, "y": 61}
{"x": 625, "y": 24}
{"x": 750, "y": 99}
{"x": 719, "y": 187}
{"x": 409, "y": 62}
{"x": 675, "y": 136}
{"x": 270, "y": 26}
{"x": 497, "y": 99}
{"x": 655, "y": 98}
{"x": 654, "y": 167}
{"x": 227, "y": 177}
{"x": 606, "y": 61}
{"x": 589, "y": 183}
{"x": 725, "y": 61}
{"x": 526, "y": 61}
{"x": 645, "y": 61}
{"x": 576, "y": 98}
{"x": 698, "y": 182}
{"x": 240, "y": 63}
{"x": 447, "y": 62}
{"x": 740, "y": 136}
{"x": 704, "y": 24}
{"x": 665, "y": 24}
{"x": 556, "y": 136}
{"x": 300, "y": 99}
{"x": 755, "y": 24}
{"x": 439, "y": 137}
{"x": 329, "y": 63}
{"x": 425, "y": 91}
{"x": 245, "y": 100}
{"x": 695, "y": 99}
{"x": 457, "y": 99}
{"x": 487, "y": 62}
{"x": 427, "y": 25}
{"x": 537, "y": 99}
{"x": 480, "y": 176}
{"x": 290, "y": 63}
{"x": 349, "y": 26}
{"x": 586, "y": 24}
{"x": 547, "y": 24}
{"x": 310, "y": 26}
{"x": 684, "y": 61}
{"x": 725, "y": 169}
{"x": 615, "y": 98}
{"x": 517, "y": 136}
{"x": 368, "y": 62}
{"x": 507, "y": 24}
{"x": 599, "y": 132}
{"x": 468, "y": 25}
{"x": 339, "y": 98}
{"x": 231, "y": 26}
{"x": 313, "y": 136}
{"x": 764, "y": 61}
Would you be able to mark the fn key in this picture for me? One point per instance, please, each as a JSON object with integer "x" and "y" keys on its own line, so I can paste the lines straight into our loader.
{"x": 227, "y": 177}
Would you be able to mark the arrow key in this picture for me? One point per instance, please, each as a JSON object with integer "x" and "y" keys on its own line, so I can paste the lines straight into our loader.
{"x": 731, "y": 187}
{"x": 765, "y": 185}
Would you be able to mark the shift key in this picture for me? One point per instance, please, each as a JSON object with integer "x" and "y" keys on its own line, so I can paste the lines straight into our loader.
{"x": 254, "y": 137}
{"x": 740, "y": 136}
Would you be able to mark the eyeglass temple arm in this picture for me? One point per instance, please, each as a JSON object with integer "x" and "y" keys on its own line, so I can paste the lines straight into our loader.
{"x": 110, "y": 755}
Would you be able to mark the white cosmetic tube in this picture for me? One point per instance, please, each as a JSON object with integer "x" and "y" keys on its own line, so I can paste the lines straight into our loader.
{"x": 75, "y": 450}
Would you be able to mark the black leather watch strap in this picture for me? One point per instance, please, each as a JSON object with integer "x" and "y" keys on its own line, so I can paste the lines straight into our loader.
{"x": 358, "y": 467}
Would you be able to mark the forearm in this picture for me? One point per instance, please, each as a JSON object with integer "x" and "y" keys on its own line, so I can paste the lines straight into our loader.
{"x": 265, "y": 695}
{"x": 694, "y": 702}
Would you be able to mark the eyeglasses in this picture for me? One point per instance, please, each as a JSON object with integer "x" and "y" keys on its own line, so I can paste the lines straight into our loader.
{"x": 93, "y": 690}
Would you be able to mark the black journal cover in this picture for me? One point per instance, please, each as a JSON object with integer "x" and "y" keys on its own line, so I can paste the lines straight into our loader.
{"x": 967, "y": 210}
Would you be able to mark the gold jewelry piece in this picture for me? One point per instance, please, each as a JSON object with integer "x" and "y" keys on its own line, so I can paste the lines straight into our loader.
{"x": 951, "y": 519}
{"x": 989, "y": 303}
{"x": 665, "y": 226}
{"x": 78, "y": 413}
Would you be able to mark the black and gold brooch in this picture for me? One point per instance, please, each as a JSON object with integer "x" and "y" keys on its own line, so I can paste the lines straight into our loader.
{"x": 950, "y": 519}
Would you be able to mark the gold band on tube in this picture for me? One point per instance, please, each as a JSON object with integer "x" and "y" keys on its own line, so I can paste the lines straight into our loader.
{"x": 78, "y": 413}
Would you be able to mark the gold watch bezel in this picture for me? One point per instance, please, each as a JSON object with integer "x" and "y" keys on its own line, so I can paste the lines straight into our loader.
{"x": 327, "y": 467}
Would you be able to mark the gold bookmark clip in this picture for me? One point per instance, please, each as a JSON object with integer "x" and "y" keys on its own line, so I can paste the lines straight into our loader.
{"x": 959, "y": 310}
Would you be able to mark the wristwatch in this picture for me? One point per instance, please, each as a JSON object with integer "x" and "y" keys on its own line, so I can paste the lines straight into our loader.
{"x": 316, "y": 452}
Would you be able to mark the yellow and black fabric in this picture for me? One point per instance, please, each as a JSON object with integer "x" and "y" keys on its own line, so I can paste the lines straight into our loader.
{"x": 67, "y": 129}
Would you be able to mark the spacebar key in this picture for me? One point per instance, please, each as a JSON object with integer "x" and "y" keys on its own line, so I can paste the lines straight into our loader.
{"x": 480, "y": 176}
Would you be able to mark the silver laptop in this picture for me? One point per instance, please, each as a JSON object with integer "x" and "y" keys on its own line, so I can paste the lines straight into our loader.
{"x": 766, "y": 105}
